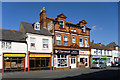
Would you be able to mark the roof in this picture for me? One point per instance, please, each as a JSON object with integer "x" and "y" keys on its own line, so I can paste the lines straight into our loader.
{"x": 112, "y": 44}
{"x": 99, "y": 46}
{"x": 28, "y": 28}
{"x": 11, "y": 35}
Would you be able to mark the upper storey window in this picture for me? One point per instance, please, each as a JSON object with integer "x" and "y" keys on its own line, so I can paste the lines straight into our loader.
{"x": 83, "y": 28}
{"x": 6, "y": 45}
{"x": 37, "y": 26}
{"x": 61, "y": 24}
{"x": 58, "y": 39}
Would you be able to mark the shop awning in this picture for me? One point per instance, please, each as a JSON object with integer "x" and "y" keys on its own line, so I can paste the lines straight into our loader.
{"x": 14, "y": 55}
{"x": 39, "y": 55}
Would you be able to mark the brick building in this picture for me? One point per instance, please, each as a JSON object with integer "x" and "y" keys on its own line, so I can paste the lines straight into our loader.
{"x": 71, "y": 41}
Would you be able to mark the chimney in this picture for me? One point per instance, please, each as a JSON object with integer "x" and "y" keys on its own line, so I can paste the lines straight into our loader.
{"x": 92, "y": 41}
{"x": 43, "y": 17}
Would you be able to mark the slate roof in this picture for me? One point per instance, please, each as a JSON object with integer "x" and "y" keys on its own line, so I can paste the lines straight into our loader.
{"x": 98, "y": 46}
{"x": 28, "y": 28}
{"x": 11, "y": 35}
{"x": 112, "y": 44}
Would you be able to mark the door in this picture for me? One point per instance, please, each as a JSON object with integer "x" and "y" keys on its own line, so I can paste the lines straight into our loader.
{"x": 73, "y": 61}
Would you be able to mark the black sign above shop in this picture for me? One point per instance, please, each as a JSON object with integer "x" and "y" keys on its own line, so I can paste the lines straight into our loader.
{"x": 61, "y": 51}
{"x": 75, "y": 52}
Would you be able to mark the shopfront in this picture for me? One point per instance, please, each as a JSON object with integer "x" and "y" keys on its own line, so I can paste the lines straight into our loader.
{"x": 61, "y": 59}
{"x": 13, "y": 61}
{"x": 73, "y": 62}
{"x": 108, "y": 60}
{"x": 83, "y": 59}
{"x": 39, "y": 61}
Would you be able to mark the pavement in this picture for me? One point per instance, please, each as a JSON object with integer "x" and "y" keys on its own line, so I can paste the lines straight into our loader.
{"x": 111, "y": 73}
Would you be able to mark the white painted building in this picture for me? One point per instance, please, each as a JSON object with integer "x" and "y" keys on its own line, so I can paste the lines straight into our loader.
{"x": 12, "y": 46}
{"x": 101, "y": 53}
{"x": 39, "y": 41}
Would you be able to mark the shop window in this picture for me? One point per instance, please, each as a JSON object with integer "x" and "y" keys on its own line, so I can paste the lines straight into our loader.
{"x": 12, "y": 63}
{"x": 65, "y": 40}
{"x": 86, "y": 43}
{"x": 73, "y": 39}
{"x": 32, "y": 43}
{"x": 82, "y": 60}
{"x": 58, "y": 39}
{"x": 61, "y": 24}
{"x": 45, "y": 43}
{"x": 6, "y": 45}
{"x": 81, "y": 42}
{"x": 62, "y": 60}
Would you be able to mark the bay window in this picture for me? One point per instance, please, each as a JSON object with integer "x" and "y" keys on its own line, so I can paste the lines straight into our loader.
{"x": 65, "y": 40}
{"x": 62, "y": 60}
{"x": 58, "y": 39}
{"x": 81, "y": 42}
{"x": 86, "y": 43}
{"x": 45, "y": 43}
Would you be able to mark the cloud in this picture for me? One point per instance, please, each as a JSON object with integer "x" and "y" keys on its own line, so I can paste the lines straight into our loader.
{"x": 96, "y": 28}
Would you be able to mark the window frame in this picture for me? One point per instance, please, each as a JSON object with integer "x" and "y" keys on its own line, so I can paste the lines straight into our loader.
{"x": 45, "y": 43}
{"x": 66, "y": 41}
{"x": 6, "y": 45}
{"x": 33, "y": 43}
{"x": 83, "y": 28}
{"x": 73, "y": 39}
{"x": 61, "y": 24}
{"x": 81, "y": 42}
{"x": 58, "y": 40}
{"x": 38, "y": 26}
{"x": 62, "y": 58}
{"x": 86, "y": 43}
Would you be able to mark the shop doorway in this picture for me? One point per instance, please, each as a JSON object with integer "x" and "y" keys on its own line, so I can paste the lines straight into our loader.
{"x": 73, "y": 61}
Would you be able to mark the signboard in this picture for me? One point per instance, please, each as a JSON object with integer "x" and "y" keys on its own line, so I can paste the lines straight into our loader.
{"x": 84, "y": 52}
{"x": 61, "y": 51}
{"x": 14, "y": 55}
{"x": 75, "y": 52}
{"x": 38, "y": 55}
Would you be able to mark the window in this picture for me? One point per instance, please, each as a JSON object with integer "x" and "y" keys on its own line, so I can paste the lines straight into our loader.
{"x": 45, "y": 43}
{"x": 6, "y": 45}
{"x": 81, "y": 42}
{"x": 61, "y": 24}
{"x": 37, "y": 26}
{"x": 65, "y": 40}
{"x": 32, "y": 43}
{"x": 83, "y": 28}
{"x": 86, "y": 43}
{"x": 58, "y": 39}
{"x": 105, "y": 52}
{"x": 62, "y": 60}
{"x": 71, "y": 29}
{"x": 74, "y": 30}
{"x": 101, "y": 52}
{"x": 96, "y": 51}
{"x": 73, "y": 39}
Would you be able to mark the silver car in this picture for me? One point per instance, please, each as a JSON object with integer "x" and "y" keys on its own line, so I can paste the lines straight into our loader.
{"x": 98, "y": 65}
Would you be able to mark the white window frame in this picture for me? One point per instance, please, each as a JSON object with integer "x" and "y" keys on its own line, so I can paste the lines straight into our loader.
{"x": 66, "y": 40}
{"x": 45, "y": 43}
{"x": 6, "y": 45}
{"x": 86, "y": 44}
{"x": 57, "y": 39}
{"x": 73, "y": 40}
{"x": 64, "y": 59}
{"x": 32, "y": 42}
{"x": 38, "y": 26}
{"x": 62, "y": 23}
{"x": 83, "y": 28}
{"x": 81, "y": 43}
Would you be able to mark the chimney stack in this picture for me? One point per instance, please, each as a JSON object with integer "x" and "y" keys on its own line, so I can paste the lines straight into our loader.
{"x": 92, "y": 41}
{"x": 43, "y": 17}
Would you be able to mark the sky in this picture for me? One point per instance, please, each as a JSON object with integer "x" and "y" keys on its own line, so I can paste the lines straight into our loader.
{"x": 101, "y": 17}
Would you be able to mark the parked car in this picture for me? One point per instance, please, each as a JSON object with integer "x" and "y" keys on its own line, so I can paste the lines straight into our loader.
{"x": 116, "y": 64}
{"x": 98, "y": 65}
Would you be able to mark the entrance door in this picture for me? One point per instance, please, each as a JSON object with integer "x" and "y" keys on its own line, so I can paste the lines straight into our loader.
{"x": 73, "y": 61}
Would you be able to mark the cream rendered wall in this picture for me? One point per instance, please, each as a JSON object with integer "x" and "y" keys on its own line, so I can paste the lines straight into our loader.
{"x": 16, "y": 47}
{"x": 39, "y": 43}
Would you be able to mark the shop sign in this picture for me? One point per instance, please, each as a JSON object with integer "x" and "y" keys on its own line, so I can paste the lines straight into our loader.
{"x": 74, "y": 51}
{"x": 38, "y": 55}
{"x": 84, "y": 52}
{"x": 61, "y": 51}
{"x": 14, "y": 55}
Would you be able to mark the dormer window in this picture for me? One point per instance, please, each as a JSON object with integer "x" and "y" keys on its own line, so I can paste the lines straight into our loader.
{"x": 83, "y": 28}
{"x": 37, "y": 26}
{"x": 61, "y": 24}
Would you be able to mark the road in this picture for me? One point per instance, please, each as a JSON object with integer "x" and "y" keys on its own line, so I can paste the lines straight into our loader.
{"x": 78, "y": 73}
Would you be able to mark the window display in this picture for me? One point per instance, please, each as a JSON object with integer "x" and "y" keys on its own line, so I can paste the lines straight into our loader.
{"x": 62, "y": 60}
